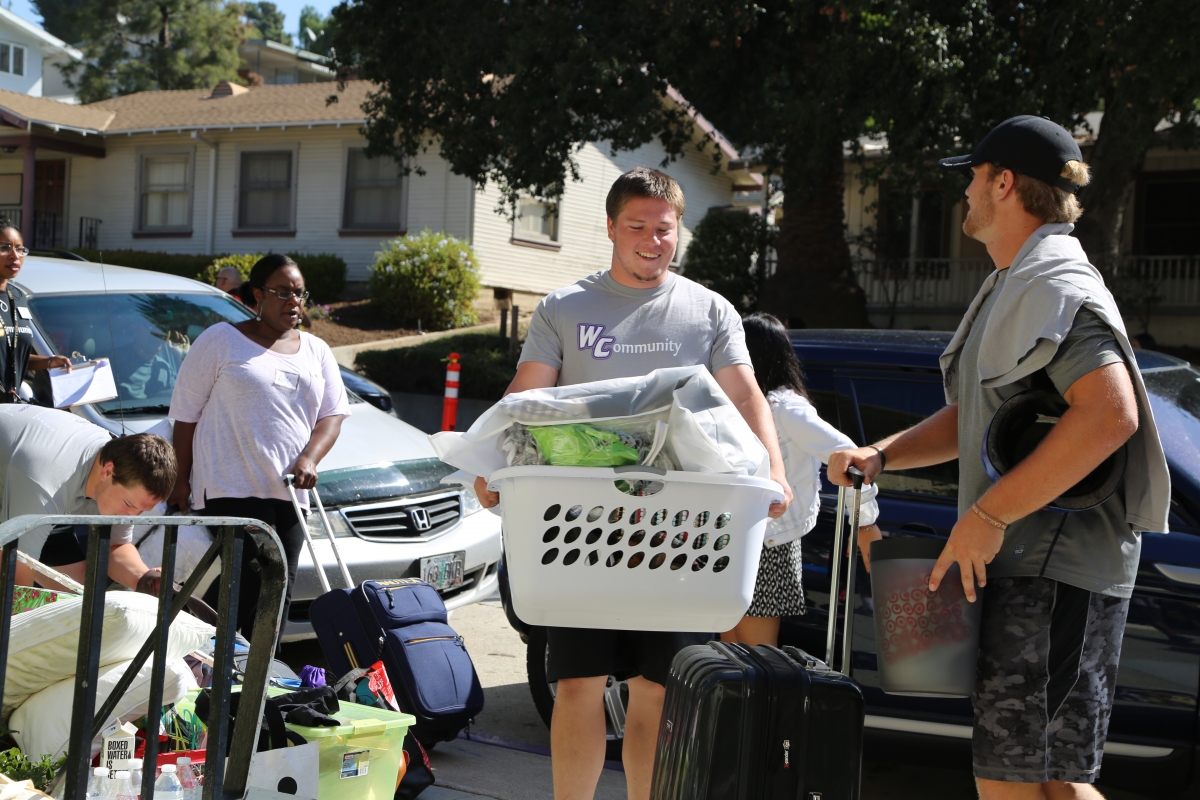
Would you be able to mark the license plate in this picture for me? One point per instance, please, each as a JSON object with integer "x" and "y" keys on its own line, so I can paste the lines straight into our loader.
{"x": 445, "y": 571}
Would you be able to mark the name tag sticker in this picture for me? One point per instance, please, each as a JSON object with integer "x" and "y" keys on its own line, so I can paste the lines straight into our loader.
{"x": 24, "y": 312}
{"x": 288, "y": 380}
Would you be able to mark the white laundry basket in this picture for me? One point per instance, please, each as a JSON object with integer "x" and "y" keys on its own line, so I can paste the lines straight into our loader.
{"x": 581, "y": 553}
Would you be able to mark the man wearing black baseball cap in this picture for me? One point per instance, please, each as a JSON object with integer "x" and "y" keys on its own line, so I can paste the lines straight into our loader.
{"x": 1057, "y": 584}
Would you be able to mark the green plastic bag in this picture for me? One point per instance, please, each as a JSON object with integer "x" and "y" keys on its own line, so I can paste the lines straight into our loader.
{"x": 578, "y": 445}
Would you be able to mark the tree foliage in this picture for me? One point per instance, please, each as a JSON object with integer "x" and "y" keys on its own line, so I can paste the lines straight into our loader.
{"x": 316, "y": 31}
{"x": 267, "y": 20}
{"x": 799, "y": 85}
{"x": 60, "y": 18}
{"x": 142, "y": 45}
{"x": 726, "y": 253}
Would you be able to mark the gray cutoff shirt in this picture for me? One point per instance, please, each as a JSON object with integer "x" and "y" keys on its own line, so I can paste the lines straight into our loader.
{"x": 1096, "y": 549}
{"x": 45, "y": 458}
{"x": 597, "y": 329}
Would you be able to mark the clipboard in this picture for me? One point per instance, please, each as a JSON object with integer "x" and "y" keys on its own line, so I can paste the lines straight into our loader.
{"x": 87, "y": 382}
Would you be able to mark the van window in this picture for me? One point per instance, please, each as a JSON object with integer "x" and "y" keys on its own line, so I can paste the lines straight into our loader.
{"x": 146, "y": 335}
{"x": 890, "y": 405}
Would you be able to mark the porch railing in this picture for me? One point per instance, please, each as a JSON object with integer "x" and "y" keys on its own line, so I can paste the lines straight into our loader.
{"x": 48, "y": 227}
{"x": 222, "y": 781}
{"x": 949, "y": 284}
{"x": 89, "y": 233}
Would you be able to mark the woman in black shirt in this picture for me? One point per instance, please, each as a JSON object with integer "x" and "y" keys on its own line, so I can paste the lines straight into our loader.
{"x": 16, "y": 352}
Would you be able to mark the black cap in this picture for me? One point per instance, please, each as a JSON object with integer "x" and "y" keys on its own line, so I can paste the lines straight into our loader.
{"x": 1027, "y": 145}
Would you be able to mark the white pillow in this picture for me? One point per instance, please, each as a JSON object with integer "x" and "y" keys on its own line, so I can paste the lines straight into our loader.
{"x": 42, "y": 724}
{"x": 45, "y": 642}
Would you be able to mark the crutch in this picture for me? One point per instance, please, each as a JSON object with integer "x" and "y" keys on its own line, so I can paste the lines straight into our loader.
{"x": 836, "y": 558}
{"x": 290, "y": 480}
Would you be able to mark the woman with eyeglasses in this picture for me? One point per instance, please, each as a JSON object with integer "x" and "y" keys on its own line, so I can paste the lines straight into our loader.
{"x": 255, "y": 401}
{"x": 16, "y": 353}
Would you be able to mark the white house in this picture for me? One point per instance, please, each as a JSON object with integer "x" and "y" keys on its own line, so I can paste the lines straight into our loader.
{"x": 279, "y": 168}
{"x": 28, "y": 56}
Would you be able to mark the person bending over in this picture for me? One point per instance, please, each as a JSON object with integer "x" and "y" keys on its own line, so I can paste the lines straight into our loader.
{"x": 54, "y": 462}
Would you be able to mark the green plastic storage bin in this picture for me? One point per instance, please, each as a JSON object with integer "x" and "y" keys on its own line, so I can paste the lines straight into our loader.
{"x": 360, "y": 760}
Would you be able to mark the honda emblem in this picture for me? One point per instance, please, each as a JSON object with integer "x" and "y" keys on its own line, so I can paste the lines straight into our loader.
{"x": 420, "y": 519}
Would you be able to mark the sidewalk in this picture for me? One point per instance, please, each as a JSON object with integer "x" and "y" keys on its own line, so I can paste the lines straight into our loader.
{"x": 466, "y": 769}
{"x": 345, "y": 354}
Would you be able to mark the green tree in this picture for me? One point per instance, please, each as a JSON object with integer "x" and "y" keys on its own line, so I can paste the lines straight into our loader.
{"x": 60, "y": 18}
{"x": 528, "y": 81}
{"x": 316, "y": 31}
{"x": 142, "y": 45}
{"x": 267, "y": 20}
{"x": 726, "y": 254}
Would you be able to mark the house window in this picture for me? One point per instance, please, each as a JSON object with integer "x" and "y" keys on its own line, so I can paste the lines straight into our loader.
{"x": 12, "y": 59}
{"x": 374, "y": 193}
{"x": 166, "y": 192}
{"x": 265, "y": 190}
{"x": 536, "y": 221}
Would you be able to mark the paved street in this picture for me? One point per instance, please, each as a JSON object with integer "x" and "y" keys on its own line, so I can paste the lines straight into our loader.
{"x": 508, "y": 755}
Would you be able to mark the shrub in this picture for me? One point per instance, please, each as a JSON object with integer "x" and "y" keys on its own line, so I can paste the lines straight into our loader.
{"x": 324, "y": 275}
{"x": 429, "y": 279}
{"x": 18, "y": 767}
{"x": 724, "y": 253}
{"x": 243, "y": 263}
{"x": 421, "y": 369}
{"x": 183, "y": 265}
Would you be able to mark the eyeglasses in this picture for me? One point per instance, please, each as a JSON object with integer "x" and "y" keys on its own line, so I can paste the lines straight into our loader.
{"x": 282, "y": 294}
{"x": 7, "y": 248}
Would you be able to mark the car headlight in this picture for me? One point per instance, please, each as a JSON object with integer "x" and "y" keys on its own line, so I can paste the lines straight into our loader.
{"x": 336, "y": 521}
{"x": 471, "y": 504}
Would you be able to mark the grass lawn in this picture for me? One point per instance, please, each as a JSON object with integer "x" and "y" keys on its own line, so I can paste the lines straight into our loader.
{"x": 421, "y": 369}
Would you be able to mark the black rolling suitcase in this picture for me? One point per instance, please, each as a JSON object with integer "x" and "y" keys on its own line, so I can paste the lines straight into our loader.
{"x": 760, "y": 723}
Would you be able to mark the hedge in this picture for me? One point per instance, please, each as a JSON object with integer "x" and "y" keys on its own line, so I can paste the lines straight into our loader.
{"x": 426, "y": 280}
{"x": 324, "y": 273}
{"x": 421, "y": 369}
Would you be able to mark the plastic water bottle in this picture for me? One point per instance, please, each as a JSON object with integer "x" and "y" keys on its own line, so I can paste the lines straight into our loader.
{"x": 99, "y": 785}
{"x": 135, "y": 775}
{"x": 168, "y": 787}
{"x": 187, "y": 776}
{"x": 123, "y": 788}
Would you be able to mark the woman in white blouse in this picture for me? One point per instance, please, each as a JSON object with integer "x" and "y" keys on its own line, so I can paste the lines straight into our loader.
{"x": 806, "y": 441}
{"x": 255, "y": 401}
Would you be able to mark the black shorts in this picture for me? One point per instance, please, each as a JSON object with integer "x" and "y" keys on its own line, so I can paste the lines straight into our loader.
{"x": 591, "y": 653}
{"x": 66, "y": 544}
{"x": 1048, "y": 656}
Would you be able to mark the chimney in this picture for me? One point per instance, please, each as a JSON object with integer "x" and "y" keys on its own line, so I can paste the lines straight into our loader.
{"x": 227, "y": 89}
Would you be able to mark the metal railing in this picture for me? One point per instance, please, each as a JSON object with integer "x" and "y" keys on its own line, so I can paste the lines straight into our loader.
{"x": 12, "y": 214}
{"x": 89, "y": 233}
{"x": 221, "y": 781}
{"x": 949, "y": 284}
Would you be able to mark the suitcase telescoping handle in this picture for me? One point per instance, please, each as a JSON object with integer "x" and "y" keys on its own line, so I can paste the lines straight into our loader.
{"x": 836, "y": 557}
{"x": 290, "y": 481}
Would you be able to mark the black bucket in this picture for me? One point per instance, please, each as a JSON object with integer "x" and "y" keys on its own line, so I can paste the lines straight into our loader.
{"x": 926, "y": 643}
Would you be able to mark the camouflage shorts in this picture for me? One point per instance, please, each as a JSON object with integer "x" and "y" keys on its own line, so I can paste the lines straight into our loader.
{"x": 1048, "y": 656}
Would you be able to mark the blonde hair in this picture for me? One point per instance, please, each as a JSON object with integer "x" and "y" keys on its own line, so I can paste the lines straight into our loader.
{"x": 1049, "y": 203}
{"x": 643, "y": 182}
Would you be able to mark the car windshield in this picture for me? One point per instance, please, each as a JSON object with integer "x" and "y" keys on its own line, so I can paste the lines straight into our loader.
{"x": 146, "y": 336}
{"x": 1175, "y": 399}
{"x": 340, "y": 487}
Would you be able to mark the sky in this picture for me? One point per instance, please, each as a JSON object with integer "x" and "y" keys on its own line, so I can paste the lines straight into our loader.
{"x": 290, "y": 8}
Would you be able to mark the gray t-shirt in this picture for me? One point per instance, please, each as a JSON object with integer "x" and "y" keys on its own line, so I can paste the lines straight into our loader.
{"x": 1095, "y": 549}
{"x": 45, "y": 458}
{"x": 597, "y": 329}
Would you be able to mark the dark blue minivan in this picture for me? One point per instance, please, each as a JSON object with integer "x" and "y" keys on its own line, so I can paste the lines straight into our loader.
{"x": 871, "y": 384}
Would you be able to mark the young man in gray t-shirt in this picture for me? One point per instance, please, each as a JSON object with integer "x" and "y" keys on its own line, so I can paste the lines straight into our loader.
{"x": 1057, "y": 585}
{"x": 624, "y": 322}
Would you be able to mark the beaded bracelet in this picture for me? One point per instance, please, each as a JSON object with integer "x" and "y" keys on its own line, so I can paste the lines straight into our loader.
{"x": 990, "y": 520}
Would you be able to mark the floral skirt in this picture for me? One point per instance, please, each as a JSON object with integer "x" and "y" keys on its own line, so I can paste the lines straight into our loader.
{"x": 777, "y": 590}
